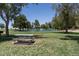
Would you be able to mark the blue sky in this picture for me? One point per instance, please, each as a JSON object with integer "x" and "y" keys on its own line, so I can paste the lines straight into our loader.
{"x": 42, "y": 12}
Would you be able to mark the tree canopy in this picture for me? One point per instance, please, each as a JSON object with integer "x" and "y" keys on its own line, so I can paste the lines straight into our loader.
{"x": 37, "y": 24}
{"x": 9, "y": 12}
{"x": 66, "y": 12}
{"x": 20, "y": 22}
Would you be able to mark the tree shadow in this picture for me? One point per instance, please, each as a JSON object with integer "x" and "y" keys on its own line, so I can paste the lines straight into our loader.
{"x": 4, "y": 38}
{"x": 67, "y": 33}
{"x": 71, "y": 37}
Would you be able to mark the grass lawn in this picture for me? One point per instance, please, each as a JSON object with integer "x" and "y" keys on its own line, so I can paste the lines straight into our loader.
{"x": 55, "y": 44}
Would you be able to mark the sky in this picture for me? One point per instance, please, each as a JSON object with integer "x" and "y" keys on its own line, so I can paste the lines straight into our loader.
{"x": 43, "y": 12}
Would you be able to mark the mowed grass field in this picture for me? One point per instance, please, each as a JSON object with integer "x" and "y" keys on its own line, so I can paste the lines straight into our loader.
{"x": 55, "y": 44}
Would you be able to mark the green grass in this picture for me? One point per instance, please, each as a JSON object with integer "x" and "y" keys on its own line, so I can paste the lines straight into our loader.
{"x": 56, "y": 44}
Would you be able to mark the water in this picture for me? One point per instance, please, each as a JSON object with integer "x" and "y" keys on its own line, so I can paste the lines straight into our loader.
{"x": 41, "y": 30}
{"x": 48, "y": 30}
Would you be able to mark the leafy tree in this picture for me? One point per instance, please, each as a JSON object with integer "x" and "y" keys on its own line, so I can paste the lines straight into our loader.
{"x": 76, "y": 26}
{"x": 32, "y": 25}
{"x": 67, "y": 12}
{"x": 9, "y": 12}
{"x": 57, "y": 23}
{"x": 49, "y": 24}
{"x": 37, "y": 24}
{"x": 45, "y": 26}
{"x": 20, "y": 22}
{"x": 1, "y": 25}
{"x": 29, "y": 26}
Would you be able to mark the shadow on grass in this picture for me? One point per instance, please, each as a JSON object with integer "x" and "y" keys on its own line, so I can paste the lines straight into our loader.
{"x": 6, "y": 38}
{"x": 71, "y": 37}
{"x": 67, "y": 33}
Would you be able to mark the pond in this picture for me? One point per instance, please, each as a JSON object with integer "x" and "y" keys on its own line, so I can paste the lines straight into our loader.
{"x": 42, "y": 30}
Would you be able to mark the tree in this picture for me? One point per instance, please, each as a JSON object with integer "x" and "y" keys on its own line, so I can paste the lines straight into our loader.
{"x": 37, "y": 24}
{"x": 1, "y": 25}
{"x": 67, "y": 12}
{"x": 9, "y": 12}
{"x": 20, "y": 22}
{"x": 45, "y": 26}
{"x": 29, "y": 26}
{"x": 57, "y": 23}
{"x": 49, "y": 24}
{"x": 76, "y": 26}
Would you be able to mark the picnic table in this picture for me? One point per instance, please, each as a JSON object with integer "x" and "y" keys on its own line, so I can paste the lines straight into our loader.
{"x": 24, "y": 38}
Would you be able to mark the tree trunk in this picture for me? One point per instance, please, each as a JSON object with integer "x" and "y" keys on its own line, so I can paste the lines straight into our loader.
{"x": 6, "y": 29}
{"x": 66, "y": 19}
{"x": 66, "y": 30}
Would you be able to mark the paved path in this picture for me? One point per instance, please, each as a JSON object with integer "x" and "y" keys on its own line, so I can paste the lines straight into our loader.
{"x": 24, "y": 34}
